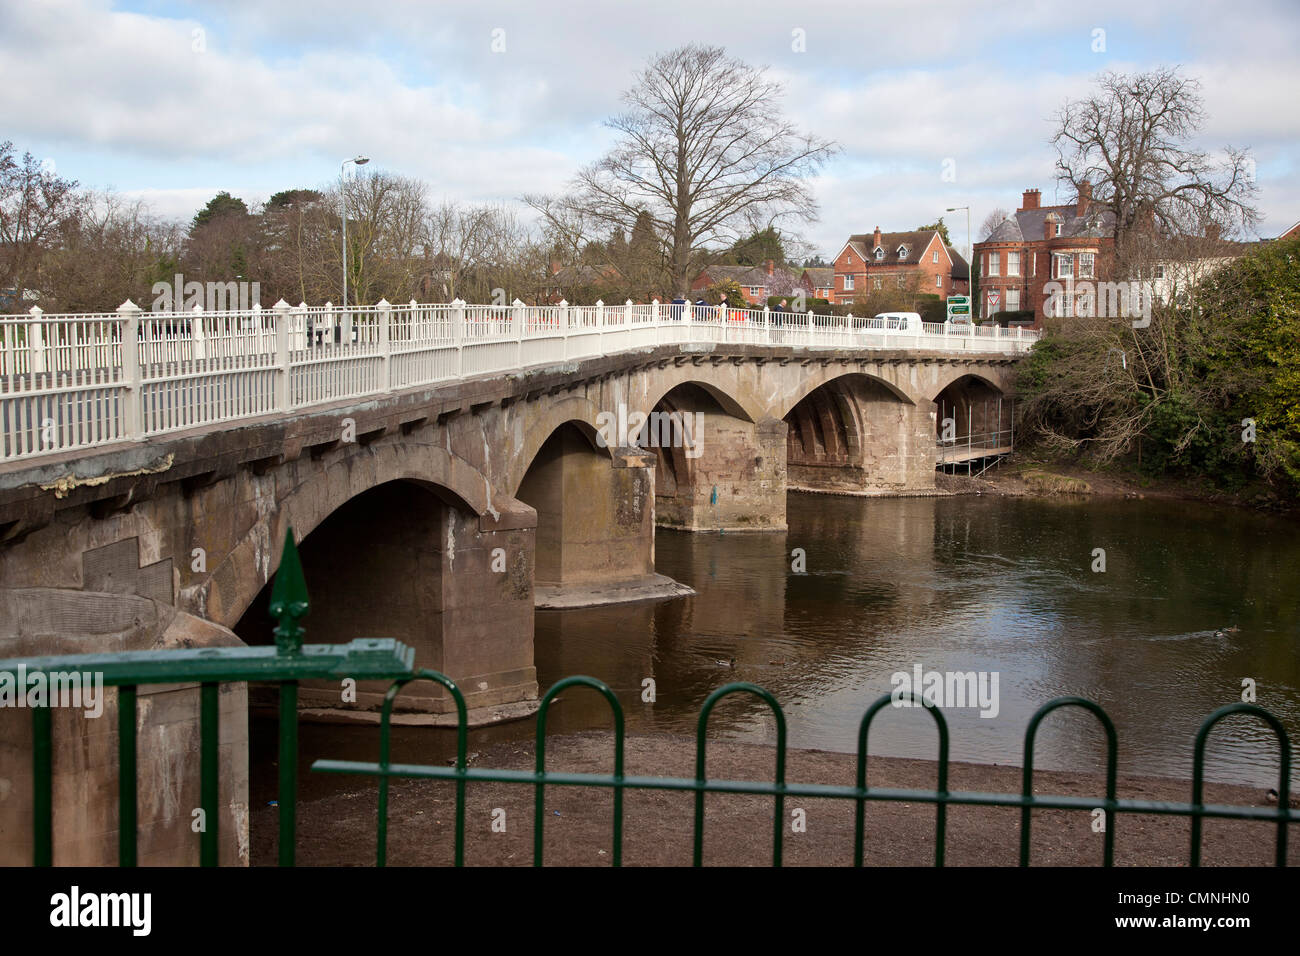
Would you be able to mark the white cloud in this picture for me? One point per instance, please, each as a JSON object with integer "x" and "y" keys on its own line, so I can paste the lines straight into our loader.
{"x": 283, "y": 91}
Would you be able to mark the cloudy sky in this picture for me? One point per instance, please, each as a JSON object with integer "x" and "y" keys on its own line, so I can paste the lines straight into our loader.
{"x": 173, "y": 101}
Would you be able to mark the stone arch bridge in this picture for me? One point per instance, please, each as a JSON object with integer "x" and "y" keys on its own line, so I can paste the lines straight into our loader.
{"x": 443, "y": 515}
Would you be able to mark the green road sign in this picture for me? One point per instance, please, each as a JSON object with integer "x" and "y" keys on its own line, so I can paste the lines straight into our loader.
{"x": 958, "y": 305}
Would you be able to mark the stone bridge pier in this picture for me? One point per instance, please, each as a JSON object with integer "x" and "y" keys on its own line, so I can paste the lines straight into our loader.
{"x": 441, "y": 516}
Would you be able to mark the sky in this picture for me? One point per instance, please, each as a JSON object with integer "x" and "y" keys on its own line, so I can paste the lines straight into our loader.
{"x": 933, "y": 105}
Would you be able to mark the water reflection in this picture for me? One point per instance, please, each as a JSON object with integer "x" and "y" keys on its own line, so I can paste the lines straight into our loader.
{"x": 964, "y": 584}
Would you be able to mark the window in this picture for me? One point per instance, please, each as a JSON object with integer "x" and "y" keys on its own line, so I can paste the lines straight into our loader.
{"x": 1013, "y": 263}
{"x": 898, "y": 281}
{"x": 1034, "y": 262}
{"x": 995, "y": 263}
{"x": 938, "y": 281}
{"x": 1085, "y": 305}
{"x": 848, "y": 283}
{"x": 1013, "y": 300}
{"x": 934, "y": 256}
{"x": 1064, "y": 266}
{"x": 902, "y": 252}
{"x": 1086, "y": 265}
{"x": 880, "y": 253}
{"x": 848, "y": 258}
{"x": 876, "y": 284}
{"x": 1160, "y": 271}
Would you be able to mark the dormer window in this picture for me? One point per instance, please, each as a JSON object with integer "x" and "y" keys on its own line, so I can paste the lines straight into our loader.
{"x": 902, "y": 252}
{"x": 880, "y": 253}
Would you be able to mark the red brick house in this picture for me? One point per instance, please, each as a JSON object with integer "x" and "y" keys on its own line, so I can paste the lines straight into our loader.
{"x": 1070, "y": 244}
{"x": 870, "y": 261}
{"x": 756, "y": 282}
{"x": 819, "y": 282}
{"x": 1292, "y": 233}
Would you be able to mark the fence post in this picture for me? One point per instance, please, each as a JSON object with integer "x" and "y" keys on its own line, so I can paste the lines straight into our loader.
{"x": 458, "y": 333}
{"x": 627, "y": 313}
{"x": 345, "y": 323}
{"x": 385, "y": 313}
{"x": 654, "y": 310}
{"x": 134, "y": 404}
{"x": 197, "y": 334}
{"x": 301, "y": 309}
{"x": 767, "y": 322}
{"x": 416, "y": 329}
{"x": 564, "y": 327}
{"x": 600, "y": 326}
{"x": 519, "y": 318}
{"x": 331, "y": 324}
{"x": 282, "y": 355}
{"x": 36, "y": 341}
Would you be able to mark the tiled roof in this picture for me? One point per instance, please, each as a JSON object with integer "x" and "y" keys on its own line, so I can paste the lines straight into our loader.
{"x": 820, "y": 276}
{"x": 916, "y": 242}
{"x": 1026, "y": 225}
{"x": 960, "y": 268}
{"x": 752, "y": 277}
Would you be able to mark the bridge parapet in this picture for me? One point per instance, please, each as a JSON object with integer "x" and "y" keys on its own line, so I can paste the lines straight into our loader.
{"x": 80, "y": 381}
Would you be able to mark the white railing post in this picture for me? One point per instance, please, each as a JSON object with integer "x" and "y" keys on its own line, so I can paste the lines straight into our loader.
{"x": 519, "y": 319}
{"x": 345, "y": 323}
{"x": 458, "y": 334}
{"x": 36, "y": 341}
{"x": 654, "y": 311}
{"x": 688, "y": 315}
{"x": 767, "y": 322}
{"x": 416, "y": 330}
{"x": 309, "y": 333}
{"x": 600, "y": 326}
{"x": 627, "y": 313}
{"x": 331, "y": 326}
{"x": 385, "y": 314}
{"x": 282, "y": 397}
{"x": 564, "y": 327}
{"x": 134, "y": 404}
{"x": 198, "y": 334}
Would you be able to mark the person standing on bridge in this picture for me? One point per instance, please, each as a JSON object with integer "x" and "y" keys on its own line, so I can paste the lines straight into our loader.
{"x": 679, "y": 306}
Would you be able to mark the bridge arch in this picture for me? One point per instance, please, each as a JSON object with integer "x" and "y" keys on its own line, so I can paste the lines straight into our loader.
{"x": 304, "y": 493}
{"x": 812, "y": 383}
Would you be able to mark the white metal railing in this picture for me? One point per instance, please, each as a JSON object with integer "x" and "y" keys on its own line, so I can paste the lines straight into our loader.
{"x": 78, "y": 381}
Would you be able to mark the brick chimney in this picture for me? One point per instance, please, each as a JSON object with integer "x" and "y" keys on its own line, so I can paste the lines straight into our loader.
{"x": 1085, "y": 197}
{"x": 875, "y": 239}
{"x": 1029, "y": 200}
{"x": 771, "y": 266}
{"x": 1049, "y": 225}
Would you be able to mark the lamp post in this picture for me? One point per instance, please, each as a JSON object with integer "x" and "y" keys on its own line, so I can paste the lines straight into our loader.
{"x": 343, "y": 192}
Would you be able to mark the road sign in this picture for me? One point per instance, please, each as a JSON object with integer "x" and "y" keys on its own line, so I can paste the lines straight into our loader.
{"x": 958, "y": 305}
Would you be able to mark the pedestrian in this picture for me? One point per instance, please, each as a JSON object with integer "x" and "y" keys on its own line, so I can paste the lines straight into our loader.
{"x": 679, "y": 307}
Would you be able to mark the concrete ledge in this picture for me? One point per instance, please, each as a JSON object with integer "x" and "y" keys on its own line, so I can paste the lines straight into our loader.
{"x": 474, "y": 717}
{"x": 873, "y": 492}
{"x": 652, "y": 587}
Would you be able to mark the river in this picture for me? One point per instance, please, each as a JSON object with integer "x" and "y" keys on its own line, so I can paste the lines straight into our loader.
{"x": 968, "y": 583}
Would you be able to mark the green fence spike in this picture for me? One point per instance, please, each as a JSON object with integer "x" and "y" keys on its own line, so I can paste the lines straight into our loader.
{"x": 289, "y": 598}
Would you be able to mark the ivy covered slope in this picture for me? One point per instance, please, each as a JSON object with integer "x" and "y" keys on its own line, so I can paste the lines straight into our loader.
{"x": 1210, "y": 388}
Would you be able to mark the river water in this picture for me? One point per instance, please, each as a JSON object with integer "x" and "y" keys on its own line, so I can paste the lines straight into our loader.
{"x": 969, "y": 583}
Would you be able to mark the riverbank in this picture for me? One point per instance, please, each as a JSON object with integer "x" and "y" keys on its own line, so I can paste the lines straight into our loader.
{"x": 339, "y": 830}
{"x": 1027, "y": 475}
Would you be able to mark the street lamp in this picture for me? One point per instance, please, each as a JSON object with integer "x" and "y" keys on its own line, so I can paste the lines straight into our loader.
{"x": 970, "y": 249}
{"x": 343, "y": 191}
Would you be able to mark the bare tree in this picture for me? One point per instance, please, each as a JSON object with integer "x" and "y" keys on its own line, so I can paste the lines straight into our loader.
{"x": 994, "y": 219}
{"x": 704, "y": 148}
{"x": 34, "y": 205}
{"x": 1129, "y": 143}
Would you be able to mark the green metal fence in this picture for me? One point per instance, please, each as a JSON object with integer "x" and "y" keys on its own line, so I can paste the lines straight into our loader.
{"x": 290, "y": 662}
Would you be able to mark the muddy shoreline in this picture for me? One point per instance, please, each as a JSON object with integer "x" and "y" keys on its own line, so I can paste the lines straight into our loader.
{"x": 339, "y": 830}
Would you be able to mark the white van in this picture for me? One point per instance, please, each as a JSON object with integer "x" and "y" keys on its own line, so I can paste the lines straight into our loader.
{"x": 903, "y": 321}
